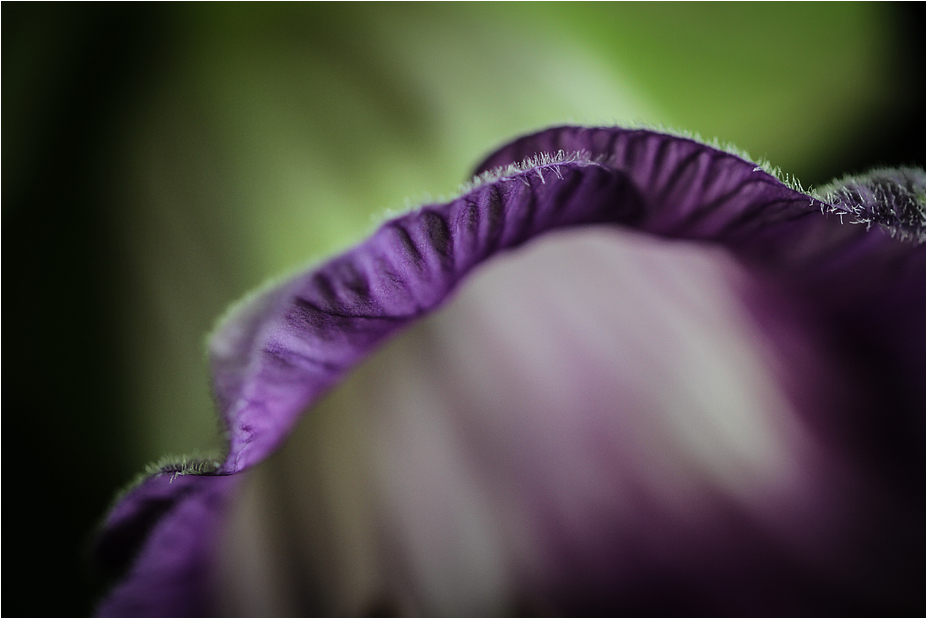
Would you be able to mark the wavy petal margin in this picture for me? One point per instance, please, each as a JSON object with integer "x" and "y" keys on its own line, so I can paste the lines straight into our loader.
{"x": 861, "y": 285}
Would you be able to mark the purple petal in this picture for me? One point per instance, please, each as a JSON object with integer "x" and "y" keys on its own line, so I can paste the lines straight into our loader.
{"x": 174, "y": 520}
{"x": 289, "y": 346}
{"x": 893, "y": 198}
{"x": 852, "y": 290}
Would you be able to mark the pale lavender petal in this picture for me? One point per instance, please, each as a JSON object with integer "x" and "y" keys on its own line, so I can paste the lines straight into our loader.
{"x": 852, "y": 291}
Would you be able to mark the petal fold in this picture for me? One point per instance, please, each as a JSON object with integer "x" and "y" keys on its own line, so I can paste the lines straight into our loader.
{"x": 280, "y": 351}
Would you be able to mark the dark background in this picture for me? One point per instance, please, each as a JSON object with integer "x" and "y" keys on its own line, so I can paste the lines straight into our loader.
{"x": 80, "y": 69}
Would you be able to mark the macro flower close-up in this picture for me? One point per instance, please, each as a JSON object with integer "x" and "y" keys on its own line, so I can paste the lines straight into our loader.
{"x": 677, "y": 385}
{"x": 463, "y": 309}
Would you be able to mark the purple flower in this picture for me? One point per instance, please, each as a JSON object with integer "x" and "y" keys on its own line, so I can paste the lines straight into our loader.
{"x": 701, "y": 392}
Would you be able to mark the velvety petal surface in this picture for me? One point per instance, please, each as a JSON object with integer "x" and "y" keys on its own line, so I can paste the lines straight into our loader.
{"x": 290, "y": 344}
{"x": 854, "y": 292}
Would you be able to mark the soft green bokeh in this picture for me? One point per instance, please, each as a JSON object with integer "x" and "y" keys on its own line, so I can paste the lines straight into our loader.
{"x": 789, "y": 82}
{"x": 277, "y": 134}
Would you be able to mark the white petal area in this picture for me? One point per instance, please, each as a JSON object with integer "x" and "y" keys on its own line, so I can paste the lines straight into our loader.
{"x": 594, "y": 378}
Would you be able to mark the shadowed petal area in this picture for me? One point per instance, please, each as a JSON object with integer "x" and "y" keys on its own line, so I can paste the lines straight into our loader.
{"x": 596, "y": 424}
{"x": 824, "y": 293}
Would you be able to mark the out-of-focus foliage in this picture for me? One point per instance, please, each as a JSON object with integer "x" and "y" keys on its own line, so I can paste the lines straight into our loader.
{"x": 160, "y": 161}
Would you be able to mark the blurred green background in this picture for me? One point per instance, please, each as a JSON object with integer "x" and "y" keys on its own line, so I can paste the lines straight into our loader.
{"x": 159, "y": 161}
